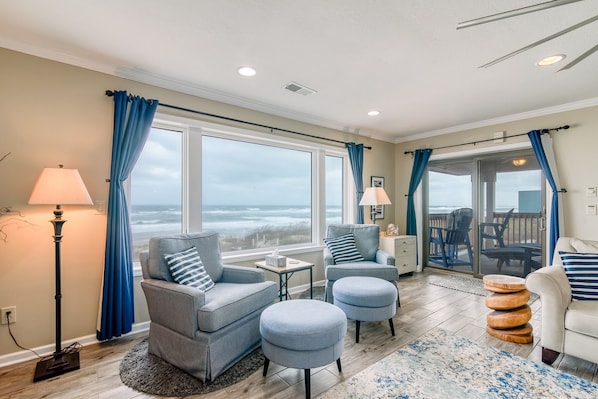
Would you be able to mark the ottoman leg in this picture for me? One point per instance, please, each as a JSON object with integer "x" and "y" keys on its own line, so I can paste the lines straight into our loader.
{"x": 357, "y": 323}
{"x": 307, "y": 383}
{"x": 338, "y": 364}
{"x": 266, "y": 364}
{"x": 392, "y": 327}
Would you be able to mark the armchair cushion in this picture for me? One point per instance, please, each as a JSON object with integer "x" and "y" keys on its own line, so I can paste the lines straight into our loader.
{"x": 207, "y": 244}
{"x": 186, "y": 268}
{"x": 582, "y": 272}
{"x": 229, "y": 302}
{"x": 343, "y": 249}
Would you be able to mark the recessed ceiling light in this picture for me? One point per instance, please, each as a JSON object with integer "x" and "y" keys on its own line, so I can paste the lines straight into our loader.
{"x": 246, "y": 71}
{"x": 553, "y": 59}
{"x": 374, "y": 113}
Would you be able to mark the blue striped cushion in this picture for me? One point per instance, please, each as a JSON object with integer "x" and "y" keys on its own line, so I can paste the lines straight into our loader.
{"x": 343, "y": 249}
{"x": 582, "y": 271}
{"x": 186, "y": 268}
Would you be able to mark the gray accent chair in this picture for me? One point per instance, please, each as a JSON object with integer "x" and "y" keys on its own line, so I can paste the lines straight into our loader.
{"x": 203, "y": 333}
{"x": 568, "y": 326}
{"x": 377, "y": 262}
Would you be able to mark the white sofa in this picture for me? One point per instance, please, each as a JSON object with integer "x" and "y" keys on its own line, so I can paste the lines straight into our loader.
{"x": 569, "y": 327}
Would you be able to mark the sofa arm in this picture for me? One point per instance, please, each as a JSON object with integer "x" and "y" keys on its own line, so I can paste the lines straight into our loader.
{"x": 173, "y": 305}
{"x": 555, "y": 293}
{"x": 241, "y": 275}
{"x": 384, "y": 258}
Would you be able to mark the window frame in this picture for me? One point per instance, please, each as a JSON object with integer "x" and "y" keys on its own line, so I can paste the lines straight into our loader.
{"x": 194, "y": 130}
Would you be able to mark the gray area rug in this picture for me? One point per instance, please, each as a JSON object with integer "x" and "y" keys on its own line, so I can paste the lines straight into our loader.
{"x": 150, "y": 374}
{"x": 465, "y": 284}
{"x": 318, "y": 293}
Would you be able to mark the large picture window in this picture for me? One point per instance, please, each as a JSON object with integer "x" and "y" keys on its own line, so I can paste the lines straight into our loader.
{"x": 258, "y": 191}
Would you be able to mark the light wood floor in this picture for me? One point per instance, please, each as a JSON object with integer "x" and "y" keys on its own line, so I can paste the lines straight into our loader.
{"x": 423, "y": 307}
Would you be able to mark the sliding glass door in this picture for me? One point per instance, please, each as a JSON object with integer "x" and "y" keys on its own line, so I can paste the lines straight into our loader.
{"x": 485, "y": 214}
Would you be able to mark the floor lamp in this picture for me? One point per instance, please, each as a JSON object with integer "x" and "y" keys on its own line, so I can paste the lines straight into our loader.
{"x": 58, "y": 186}
{"x": 374, "y": 196}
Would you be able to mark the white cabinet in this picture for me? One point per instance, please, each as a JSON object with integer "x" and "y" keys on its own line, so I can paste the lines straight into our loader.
{"x": 404, "y": 249}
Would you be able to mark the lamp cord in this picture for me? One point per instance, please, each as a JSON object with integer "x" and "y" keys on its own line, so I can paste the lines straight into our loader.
{"x": 15, "y": 340}
{"x": 72, "y": 348}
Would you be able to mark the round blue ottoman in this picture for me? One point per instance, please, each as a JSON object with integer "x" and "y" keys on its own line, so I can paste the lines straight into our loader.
{"x": 303, "y": 334}
{"x": 366, "y": 299}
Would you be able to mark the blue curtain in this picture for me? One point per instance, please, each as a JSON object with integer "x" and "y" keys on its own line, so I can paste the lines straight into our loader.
{"x": 133, "y": 118}
{"x": 356, "y": 159}
{"x": 420, "y": 162}
{"x": 544, "y": 155}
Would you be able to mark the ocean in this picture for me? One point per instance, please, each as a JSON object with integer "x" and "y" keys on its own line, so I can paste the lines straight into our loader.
{"x": 228, "y": 220}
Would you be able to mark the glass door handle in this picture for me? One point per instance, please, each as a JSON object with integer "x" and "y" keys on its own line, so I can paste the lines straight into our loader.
{"x": 542, "y": 222}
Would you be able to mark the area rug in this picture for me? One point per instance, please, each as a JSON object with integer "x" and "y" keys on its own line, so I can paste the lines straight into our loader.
{"x": 318, "y": 293}
{"x": 442, "y": 365}
{"x": 150, "y": 374}
{"x": 465, "y": 284}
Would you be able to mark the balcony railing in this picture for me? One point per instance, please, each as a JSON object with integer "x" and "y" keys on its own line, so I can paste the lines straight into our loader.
{"x": 522, "y": 227}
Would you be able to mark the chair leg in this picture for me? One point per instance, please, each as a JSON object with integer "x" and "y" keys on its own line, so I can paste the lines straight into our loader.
{"x": 392, "y": 327}
{"x": 357, "y": 323}
{"x": 307, "y": 383}
{"x": 266, "y": 364}
{"x": 338, "y": 364}
{"x": 549, "y": 356}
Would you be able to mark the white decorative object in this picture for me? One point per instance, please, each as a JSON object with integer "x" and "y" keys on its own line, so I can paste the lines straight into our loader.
{"x": 392, "y": 230}
{"x": 275, "y": 259}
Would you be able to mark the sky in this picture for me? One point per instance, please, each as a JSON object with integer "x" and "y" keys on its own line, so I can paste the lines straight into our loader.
{"x": 234, "y": 173}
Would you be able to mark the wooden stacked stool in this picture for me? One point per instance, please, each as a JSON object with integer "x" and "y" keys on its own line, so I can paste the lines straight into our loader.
{"x": 508, "y": 299}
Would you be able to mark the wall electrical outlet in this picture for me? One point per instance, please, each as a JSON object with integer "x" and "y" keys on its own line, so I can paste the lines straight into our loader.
{"x": 13, "y": 315}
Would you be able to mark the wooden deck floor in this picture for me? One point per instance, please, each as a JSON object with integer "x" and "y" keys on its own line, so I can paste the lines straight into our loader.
{"x": 424, "y": 306}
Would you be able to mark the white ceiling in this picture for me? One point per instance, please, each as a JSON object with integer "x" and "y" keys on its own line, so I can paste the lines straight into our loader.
{"x": 404, "y": 58}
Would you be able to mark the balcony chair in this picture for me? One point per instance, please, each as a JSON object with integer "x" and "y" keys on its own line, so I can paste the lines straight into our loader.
{"x": 445, "y": 241}
{"x": 361, "y": 258}
{"x": 202, "y": 333}
{"x": 569, "y": 324}
{"x": 495, "y": 231}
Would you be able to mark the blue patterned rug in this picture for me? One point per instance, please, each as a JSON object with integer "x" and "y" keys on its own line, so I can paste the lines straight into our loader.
{"x": 442, "y": 365}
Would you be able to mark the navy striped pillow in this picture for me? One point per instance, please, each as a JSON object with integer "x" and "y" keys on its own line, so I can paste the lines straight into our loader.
{"x": 186, "y": 268}
{"x": 582, "y": 271}
{"x": 343, "y": 249}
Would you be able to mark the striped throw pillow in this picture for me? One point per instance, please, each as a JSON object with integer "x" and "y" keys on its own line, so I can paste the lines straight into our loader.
{"x": 582, "y": 271}
{"x": 186, "y": 268}
{"x": 343, "y": 249}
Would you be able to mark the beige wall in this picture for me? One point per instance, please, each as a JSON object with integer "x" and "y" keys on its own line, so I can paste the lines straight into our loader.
{"x": 50, "y": 114}
{"x": 575, "y": 152}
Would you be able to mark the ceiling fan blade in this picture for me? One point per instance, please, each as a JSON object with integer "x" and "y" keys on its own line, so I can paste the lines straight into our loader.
{"x": 580, "y": 58}
{"x": 546, "y": 39}
{"x": 514, "y": 13}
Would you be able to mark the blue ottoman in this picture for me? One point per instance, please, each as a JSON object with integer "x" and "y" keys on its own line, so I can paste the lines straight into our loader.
{"x": 366, "y": 299}
{"x": 303, "y": 334}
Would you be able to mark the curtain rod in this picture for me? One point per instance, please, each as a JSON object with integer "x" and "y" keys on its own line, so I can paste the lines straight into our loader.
{"x": 542, "y": 131}
{"x": 110, "y": 93}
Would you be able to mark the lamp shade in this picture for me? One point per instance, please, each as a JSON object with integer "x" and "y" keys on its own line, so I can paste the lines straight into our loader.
{"x": 374, "y": 196}
{"x": 58, "y": 186}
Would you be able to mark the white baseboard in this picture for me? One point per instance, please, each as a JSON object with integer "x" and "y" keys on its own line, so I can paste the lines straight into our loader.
{"x": 23, "y": 355}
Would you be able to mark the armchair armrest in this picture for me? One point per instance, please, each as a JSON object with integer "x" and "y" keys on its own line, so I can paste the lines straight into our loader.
{"x": 328, "y": 259}
{"x": 384, "y": 258}
{"x": 241, "y": 275}
{"x": 555, "y": 292}
{"x": 495, "y": 228}
{"x": 163, "y": 297}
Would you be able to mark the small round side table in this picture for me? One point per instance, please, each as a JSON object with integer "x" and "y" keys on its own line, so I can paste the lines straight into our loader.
{"x": 511, "y": 313}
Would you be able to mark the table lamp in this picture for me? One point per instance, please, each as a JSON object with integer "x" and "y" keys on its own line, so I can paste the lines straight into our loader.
{"x": 374, "y": 196}
{"x": 58, "y": 186}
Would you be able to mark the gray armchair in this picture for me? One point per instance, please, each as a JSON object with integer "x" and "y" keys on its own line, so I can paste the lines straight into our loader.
{"x": 202, "y": 333}
{"x": 376, "y": 263}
